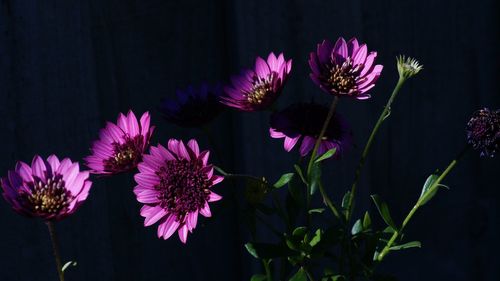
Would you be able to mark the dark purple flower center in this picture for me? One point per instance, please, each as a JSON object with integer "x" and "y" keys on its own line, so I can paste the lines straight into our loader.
{"x": 184, "y": 187}
{"x": 126, "y": 156}
{"x": 342, "y": 78}
{"x": 483, "y": 131}
{"x": 50, "y": 197}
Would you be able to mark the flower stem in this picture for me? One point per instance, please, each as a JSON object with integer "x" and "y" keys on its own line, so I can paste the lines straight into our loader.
{"x": 55, "y": 249}
{"x": 269, "y": 276}
{"x": 385, "y": 113}
{"x": 432, "y": 189}
{"x": 322, "y": 133}
{"x": 329, "y": 202}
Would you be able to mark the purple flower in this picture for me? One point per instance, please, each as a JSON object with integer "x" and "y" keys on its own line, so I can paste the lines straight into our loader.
{"x": 194, "y": 107}
{"x": 120, "y": 147}
{"x": 175, "y": 185}
{"x": 483, "y": 131}
{"x": 344, "y": 69}
{"x": 304, "y": 121}
{"x": 47, "y": 189}
{"x": 258, "y": 89}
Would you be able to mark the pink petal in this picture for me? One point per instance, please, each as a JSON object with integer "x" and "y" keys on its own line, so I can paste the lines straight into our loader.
{"x": 216, "y": 179}
{"x": 38, "y": 167}
{"x": 123, "y": 123}
{"x": 53, "y": 162}
{"x": 145, "y": 121}
{"x": 147, "y": 179}
{"x": 146, "y": 196}
{"x": 340, "y": 48}
{"x": 183, "y": 233}
{"x": 261, "y": 68}
{"x": 205, "y": 211}
{"x": 204, "y": 157}
{"x": 194, "y": 147}
{"x": 133, "y": 125}
{"x": 352, "y": 46}
{"x": 368, "y": 63}
{"x": 359, "y": 56}
{"x": 214, "y": 197}
{"x": 115, "y": 132}
{"x": 70, "y": 175}
{"x": 167, "y": 228}
{"x": 173, "y": 145}
{"x": 290, "y": 143}
{"x": 154, "y": 215}
{"x": 272, "y": 61}
{"x": 192, "y": 220}
{"x": 24, "y": 170}
{"x": 324, "y": 51}
{"x": 276, "y": 134}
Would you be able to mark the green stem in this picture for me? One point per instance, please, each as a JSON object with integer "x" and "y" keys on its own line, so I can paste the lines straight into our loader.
{"x": 432, "y": 189}
{"x": 328, "y": 201}
{"x": 309, "y": 275}
{"x": 322, "y": 133}
{"x": 55, "y": 249}
{"x": 269, "y": 276}
{"x": 385, "y": 113}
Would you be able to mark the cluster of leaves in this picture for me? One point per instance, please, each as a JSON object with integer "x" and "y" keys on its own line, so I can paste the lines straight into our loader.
{"x": 339, "y": 250}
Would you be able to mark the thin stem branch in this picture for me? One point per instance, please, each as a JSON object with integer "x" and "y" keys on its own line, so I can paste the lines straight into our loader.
{"x": 55, "y": 249}
{"x": 269, "y": 276}
{"x": 385, "y": 113}
{"x": 329, "y": 202}
{"x": 432, "y": 189}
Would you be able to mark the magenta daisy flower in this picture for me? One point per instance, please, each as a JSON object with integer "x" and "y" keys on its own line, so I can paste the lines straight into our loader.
{"x": 47, "y": 189}
{"x": 120, "y": 147}
{"x": 344, "y": 69}
{"x": 258, "y": 89}
{"x": 304, "y": 121}
{"x": 174, "y": 184}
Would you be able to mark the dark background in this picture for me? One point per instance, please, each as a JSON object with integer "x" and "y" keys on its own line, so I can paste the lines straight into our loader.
{"x": 68, "y": 66}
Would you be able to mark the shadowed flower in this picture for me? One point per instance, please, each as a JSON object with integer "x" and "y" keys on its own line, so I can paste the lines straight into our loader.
{"x": 174, "y": 184}
{"x": 120, "y": 147}
{"x": 304, "y": 120}
{"x": 258, "y": 89}
{"x": 344, "y": 69}
{"x": 194, "y": 107}
{"x": 47, "y": 189}
{"x": 483, "y": 131}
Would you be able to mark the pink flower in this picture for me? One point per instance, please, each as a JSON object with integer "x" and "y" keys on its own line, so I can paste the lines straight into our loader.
{"x": 47, "y": 189}
{"x": 120, "y": 147}
{"x": 174, "y": 184}
{"x": 344, "y": 69}
{"x": 259, "y": 88}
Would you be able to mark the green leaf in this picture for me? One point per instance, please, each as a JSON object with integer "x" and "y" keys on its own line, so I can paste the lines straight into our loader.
{"x": 258, "y": 277}
{"x": 299, "y": 276}
{"x": 299, "y": 232}
{"x": 299, "y": 172}
{"x": 314, "y": 178}
{"x": 345, "y": 199}
{"x": 316, "y": 238}
{"x": 68, "y": 264}
{"x": 267, "y": 250}
{"x": 427, "y": 194}
{"x": 357, "y": 227}
{"x": 383, "y": 209}
{"x": 284, "y": 179}
{"x": 326, "y": 155}
{"x": 367, "y": 221}
{"x": 413, "y": 244}
{"x": 318, "y": 210}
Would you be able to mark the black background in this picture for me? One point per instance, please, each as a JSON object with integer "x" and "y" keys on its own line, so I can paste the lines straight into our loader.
{"x": 68, "y": 66}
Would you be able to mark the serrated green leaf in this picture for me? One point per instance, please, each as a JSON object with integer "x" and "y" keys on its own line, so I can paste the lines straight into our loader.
{"x": 383, "y": 209}
{"x": 326, "y": 155}
{"x": 258, "y": 277}
{"x": 284, "y": 179}
{"x": 68, "y": 264}
{"x": 367, "y": 221}
{"x": 318, "y": 210}
{"x": 357, "y": 227}
{"x": 299, "y": 276}
{"x": 314, "y": 178}
{"x": 412, "y": 244}
{"x": 267, "y": 250}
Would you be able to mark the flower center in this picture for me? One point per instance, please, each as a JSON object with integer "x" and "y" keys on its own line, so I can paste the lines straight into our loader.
{"x": 183, "y": 187}
{"x": 50, "y": 197}
{"x": 259, "y": 92}
{"x": 342, "y": 78}
{"x": 126, "y": 156}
